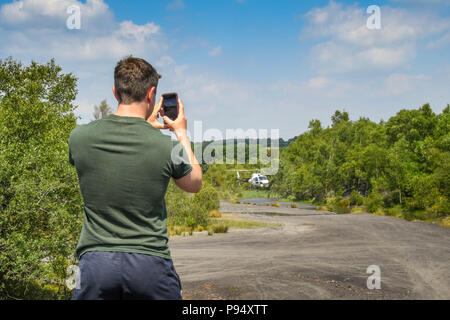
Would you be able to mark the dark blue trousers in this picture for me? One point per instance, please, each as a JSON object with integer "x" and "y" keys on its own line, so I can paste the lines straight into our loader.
{"x": 121, "y": 276}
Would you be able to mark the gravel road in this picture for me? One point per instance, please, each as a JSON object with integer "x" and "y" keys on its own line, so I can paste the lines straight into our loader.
{"x": 315, "y": 255}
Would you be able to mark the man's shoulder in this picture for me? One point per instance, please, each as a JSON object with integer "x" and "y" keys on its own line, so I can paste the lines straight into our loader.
{"x": 81, "y": 130}
{"x": 156, "y": 134}
{"x": 161, "y": 139}
{"x": 84, "y": 131}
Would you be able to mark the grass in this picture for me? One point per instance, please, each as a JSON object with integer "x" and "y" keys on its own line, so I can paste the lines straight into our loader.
{"x": 220, "y": 223}
{"x": 400, "y": 213}
{"x": 357, "y": 209}
{"x": 215, "y": 214}
{"x": 293, "y": 200}
{"x": 244, "y": 224}
{"x": 274, "y": 204}
{"x": 230, "y": 215}
{"x": 445, "y": 222}
{"x": 179, "y": 230}
{"x": 217, "y": 228}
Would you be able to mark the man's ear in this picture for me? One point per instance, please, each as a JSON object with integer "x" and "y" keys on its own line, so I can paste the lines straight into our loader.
{"x": 151, "y": 95}
{"x": 115, "y": 94}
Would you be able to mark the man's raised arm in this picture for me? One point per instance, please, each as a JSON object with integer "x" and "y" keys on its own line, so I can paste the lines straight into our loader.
{"x": 192, "y": 182}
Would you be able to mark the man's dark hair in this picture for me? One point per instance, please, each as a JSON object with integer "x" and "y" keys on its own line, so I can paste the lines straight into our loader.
{"x": 133, "y": 77}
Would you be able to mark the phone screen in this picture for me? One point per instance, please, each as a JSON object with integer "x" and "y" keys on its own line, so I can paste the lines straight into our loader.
{"x": 171, "y": 101}
{"x": 170, "y": 106}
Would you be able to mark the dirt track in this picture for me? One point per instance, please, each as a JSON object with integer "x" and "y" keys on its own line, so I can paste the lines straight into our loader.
{"x": 315, "y": 255}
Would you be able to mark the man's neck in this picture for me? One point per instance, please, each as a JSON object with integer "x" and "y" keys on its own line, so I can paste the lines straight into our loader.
{"x": 132, "y": 110}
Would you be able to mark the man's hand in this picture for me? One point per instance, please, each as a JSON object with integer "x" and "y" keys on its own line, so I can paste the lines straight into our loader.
{"x": 192, "y": 182}
{"x": 153, "y": 119}
{"x": 179, "y": 125}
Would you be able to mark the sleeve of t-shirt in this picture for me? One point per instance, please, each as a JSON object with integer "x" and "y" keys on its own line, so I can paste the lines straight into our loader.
{"x": 70, "y": 143}
{"x": 179, "y": 161}
{"x": 70, "y": 158}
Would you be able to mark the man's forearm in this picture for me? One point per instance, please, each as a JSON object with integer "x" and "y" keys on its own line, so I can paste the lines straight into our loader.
{"x": 184, "y": 140}
{"x": 193, "y": 181}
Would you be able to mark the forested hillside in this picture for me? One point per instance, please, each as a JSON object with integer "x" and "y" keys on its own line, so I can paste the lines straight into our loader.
{"x": 403, "y": 163}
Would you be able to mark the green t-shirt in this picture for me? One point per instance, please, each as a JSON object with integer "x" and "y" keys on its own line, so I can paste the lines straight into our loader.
{"x": 124, "y": 166}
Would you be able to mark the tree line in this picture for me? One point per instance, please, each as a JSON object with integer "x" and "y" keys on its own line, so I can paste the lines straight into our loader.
{"x": 403, "y": 163}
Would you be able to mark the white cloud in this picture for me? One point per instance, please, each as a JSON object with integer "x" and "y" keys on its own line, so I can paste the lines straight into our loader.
{"x": 125, "y": 38}
{"x": 399, "y": 83}
{"x": 386, "y": 58}
{"x": 165, "y": 61}
{"x": 333, "y": 57}
{"x": 317, "y": 83}
{"x": 347, "y": 24}
{"x": 325, "y": 86}
{"x": 347, "y": 45}
{"x": 215, "y": 51}
{"x": 36, "y": 29}
{"x": 91, "y": 56}
{"x": 95, "y": 14}
{"x": 142, "y": 33}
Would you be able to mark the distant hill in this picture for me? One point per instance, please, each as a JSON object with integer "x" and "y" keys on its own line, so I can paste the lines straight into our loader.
{"x": 281, "y": 142}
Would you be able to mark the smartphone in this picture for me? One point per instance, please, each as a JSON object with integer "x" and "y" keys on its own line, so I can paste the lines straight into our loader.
{"x": 170, "y": 105}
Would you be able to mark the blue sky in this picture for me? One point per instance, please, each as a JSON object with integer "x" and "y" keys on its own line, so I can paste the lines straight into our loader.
{"x": 248, "y": 63}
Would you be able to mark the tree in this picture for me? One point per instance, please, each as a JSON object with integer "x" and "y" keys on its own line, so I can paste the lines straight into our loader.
{"x": 339, "y": 116}
{"x": 404, "y": 161}
{"x": 40, "y": 201}
{"x": 102, "y": 111}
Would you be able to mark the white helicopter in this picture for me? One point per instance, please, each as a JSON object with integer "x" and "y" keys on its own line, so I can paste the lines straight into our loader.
{"x": 257, "y": 180}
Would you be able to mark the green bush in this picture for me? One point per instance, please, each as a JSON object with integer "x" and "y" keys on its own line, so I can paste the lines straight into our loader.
{"x": 342, "y": 206}
{"x": 374, "y": 202}
{"x": 184, "y": 209}
{"x": 356, "y": 199}
{"x": 395, "y": 211}
{"x": 330, "y": 200}
{"x": 440, "y": 208}
{"x": 218, "y": 228}
{"x": 224, "y": 182}
{"x": 415, "y": 215}
{"x": 40, "y": 202}
{"x": 208, "y": 197}
{"x": 425, "y": 192}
